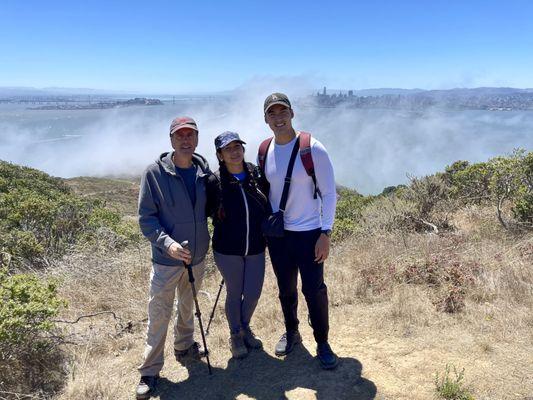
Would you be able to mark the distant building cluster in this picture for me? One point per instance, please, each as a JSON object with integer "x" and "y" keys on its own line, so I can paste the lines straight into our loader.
{"x": 89, "y": 105}
{"x": 333, "y": 99}
{"x": 473, "y": 99}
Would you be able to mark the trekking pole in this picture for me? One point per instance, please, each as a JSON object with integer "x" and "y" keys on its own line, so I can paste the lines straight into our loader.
{"x": 185, "y": 245}
{"x": 214, "y": 307}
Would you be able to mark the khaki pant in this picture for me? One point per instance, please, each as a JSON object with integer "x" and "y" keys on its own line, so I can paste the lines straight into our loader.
{"x": 165, "y": 281}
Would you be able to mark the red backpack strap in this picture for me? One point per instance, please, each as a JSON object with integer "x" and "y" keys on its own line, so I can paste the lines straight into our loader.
{"x": 307, "y": 159}
{"x": 305, "y": 153}
{"x": 262, "y": 153}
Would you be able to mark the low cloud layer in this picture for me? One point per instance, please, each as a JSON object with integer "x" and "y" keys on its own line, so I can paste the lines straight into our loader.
{"x": 370, "y": 149}
{"x": 373, "y": 149}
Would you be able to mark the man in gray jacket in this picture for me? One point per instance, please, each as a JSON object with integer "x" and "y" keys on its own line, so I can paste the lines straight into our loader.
{"x": 172, "y": 208}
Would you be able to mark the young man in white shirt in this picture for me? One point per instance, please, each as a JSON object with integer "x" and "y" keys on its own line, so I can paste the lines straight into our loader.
{"x": 308, "y": 220}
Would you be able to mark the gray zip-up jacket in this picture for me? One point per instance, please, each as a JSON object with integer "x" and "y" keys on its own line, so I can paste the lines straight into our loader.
{"x": 166, "y": 214}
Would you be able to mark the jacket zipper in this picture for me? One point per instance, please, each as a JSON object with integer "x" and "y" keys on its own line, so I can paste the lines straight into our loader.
{"x": 193, "y": 251}
{"x": 247, "y": 220}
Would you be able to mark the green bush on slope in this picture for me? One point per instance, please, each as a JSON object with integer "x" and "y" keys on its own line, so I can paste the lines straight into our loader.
{"x": 30, "y": 360}
{"x": 40, "y": 217}
{"x": 426, "y": 204}
{"x": 26, "y": 308}
{"x": 501, "y": 180}
{"x": 348, "y": 213}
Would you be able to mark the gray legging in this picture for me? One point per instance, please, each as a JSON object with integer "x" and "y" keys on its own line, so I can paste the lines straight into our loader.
{"x": 244, "y": 278}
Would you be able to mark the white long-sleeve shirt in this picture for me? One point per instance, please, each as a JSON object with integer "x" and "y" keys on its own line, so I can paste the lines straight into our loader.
{"x": 302, "y": 212}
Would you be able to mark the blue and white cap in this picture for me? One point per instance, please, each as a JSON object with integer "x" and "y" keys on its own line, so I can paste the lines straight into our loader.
{"x": 226, "y": 138}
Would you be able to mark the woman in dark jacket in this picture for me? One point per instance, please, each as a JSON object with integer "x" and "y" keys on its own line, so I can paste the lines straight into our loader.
{"x": 238, "y": 206}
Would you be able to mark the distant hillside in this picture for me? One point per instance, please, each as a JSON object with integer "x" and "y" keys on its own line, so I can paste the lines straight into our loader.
{"x": 21, "y": 91}
{"x": 17, "y": 91}
{"x": 480, "y": 91}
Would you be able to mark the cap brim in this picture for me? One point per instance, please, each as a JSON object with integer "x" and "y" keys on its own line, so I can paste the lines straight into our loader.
{"x": 193, "y": 127}
{"x": 275, "y": 103}
{"x": 234, "y": 140}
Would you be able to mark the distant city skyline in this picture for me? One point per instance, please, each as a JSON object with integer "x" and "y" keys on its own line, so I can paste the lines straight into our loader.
{"x": 205, "y": 47}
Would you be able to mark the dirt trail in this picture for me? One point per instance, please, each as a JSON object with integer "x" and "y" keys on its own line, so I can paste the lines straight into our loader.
{"x": 378, "y": 361}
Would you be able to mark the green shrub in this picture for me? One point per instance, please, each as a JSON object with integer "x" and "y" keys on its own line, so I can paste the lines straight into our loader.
{"x": 129, "y": 230}
{"x": 431, "y": 198}
{"x": 470, "y": 184}
{"x": 451, "y": 388}
{"x": 515, "y": 182}
{"x": 103, "y": 217}
{"x": 30, "y": 358}
{"x": 450, "y": 172}
{"x": 391, "y": 190}
{"x": 422, "y": 206}
{"x": 501, "y": 180}
{"x": 26, "y": 309}
{"x": 427, "y": 202}
{"x": 348, "y": 213}
{"x": 523, "y": 207}
{"x": 508, "y": 177}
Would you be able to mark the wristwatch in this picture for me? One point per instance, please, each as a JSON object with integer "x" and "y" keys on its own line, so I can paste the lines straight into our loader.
{"x": 326, "y": 232}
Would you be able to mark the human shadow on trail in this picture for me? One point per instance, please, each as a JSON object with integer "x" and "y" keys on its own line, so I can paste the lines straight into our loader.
{"x": 264, "y": 377}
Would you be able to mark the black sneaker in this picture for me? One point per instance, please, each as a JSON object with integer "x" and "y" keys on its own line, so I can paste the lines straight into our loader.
{"x": 328, "y": 359}
{"x": 286, "y": 343}
{"x": 194, "y": 352}
{"x": 146, "y": 387}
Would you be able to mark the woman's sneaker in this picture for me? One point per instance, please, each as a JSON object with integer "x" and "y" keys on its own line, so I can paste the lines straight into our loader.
{"x": 238, "y": 348}
{"x": 250, "y": 340}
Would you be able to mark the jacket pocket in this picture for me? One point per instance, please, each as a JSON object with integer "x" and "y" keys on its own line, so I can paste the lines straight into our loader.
{"x": 202, "y": 244}
{"x": 183, "y": 231}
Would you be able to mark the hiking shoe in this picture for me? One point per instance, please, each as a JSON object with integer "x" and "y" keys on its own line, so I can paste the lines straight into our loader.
{"x": 286, "y": 343}
{"x": 250, "y": 340}
{"x": 146, "y": 387}
{"x": 328, "y": 359}
{"x": 194, "y": 352}
{"x": 238, "y": 348}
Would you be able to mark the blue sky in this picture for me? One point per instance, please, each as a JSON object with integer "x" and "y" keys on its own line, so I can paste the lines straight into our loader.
{"x": 205, "y": 46}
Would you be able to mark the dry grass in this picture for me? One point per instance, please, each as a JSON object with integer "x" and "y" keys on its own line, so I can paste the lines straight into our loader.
{"x": 386, "y": 317}
{"x": 117, "y": 193}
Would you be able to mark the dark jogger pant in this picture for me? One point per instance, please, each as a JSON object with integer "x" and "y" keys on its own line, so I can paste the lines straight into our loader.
{"x": 296, "y": 251}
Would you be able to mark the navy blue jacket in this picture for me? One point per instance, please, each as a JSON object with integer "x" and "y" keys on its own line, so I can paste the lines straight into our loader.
{"x": 238, "y": 209}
